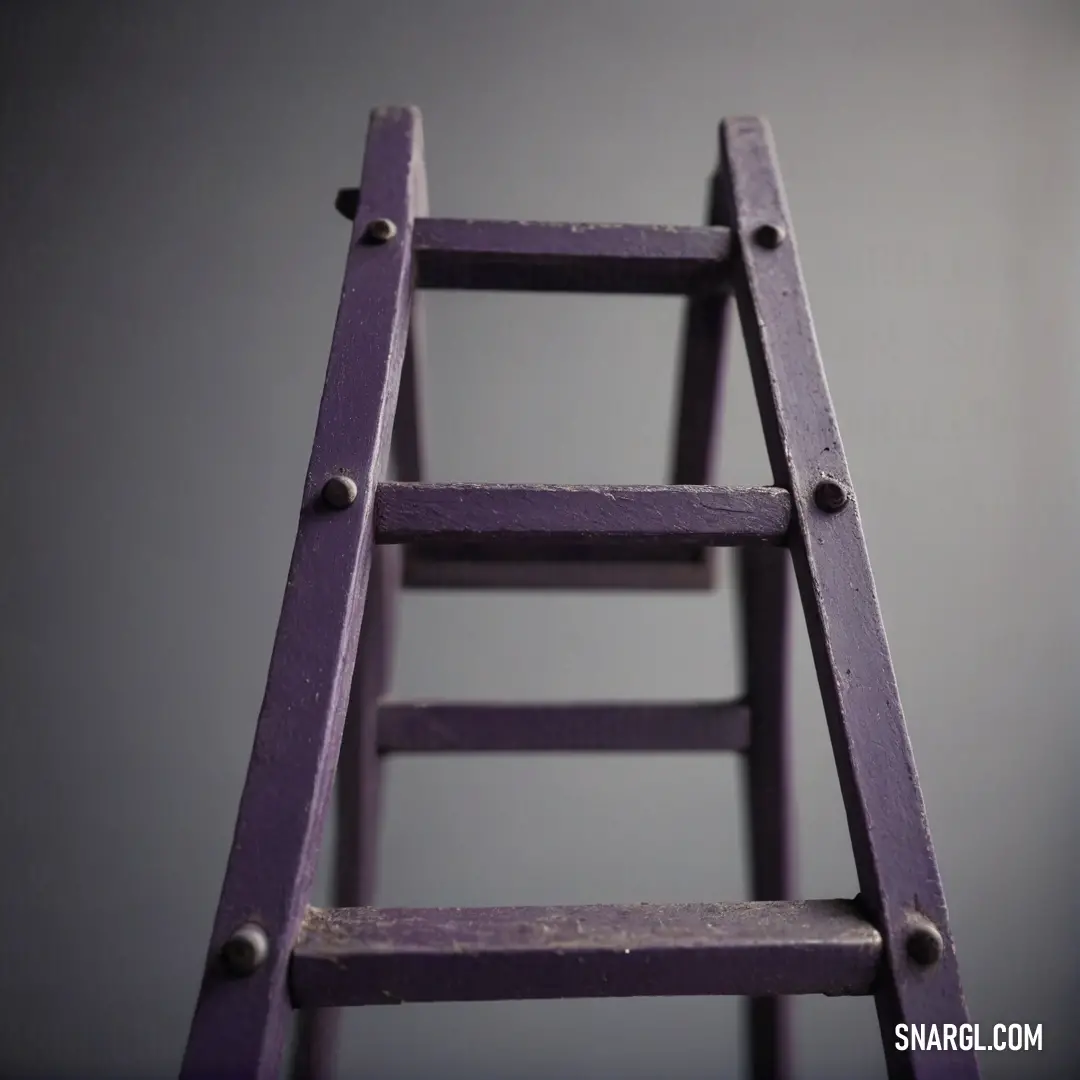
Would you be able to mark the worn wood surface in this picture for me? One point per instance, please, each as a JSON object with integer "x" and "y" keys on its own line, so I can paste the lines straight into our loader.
{"x": 414, "y": 728}
{"x": 538, "y": 515}
{"x": 372, "y": 956}
{"x": 894, "y": 857}
{"x": 535, "y": 256}
{"x": 239, "y": 1026}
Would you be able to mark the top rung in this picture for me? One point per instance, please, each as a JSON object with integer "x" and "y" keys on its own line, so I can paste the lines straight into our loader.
{"x": 529, "y": 256}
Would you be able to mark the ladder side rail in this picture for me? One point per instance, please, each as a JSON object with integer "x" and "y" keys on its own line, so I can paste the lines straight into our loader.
{"x": 358, "y": 791}
{"x": 240, "y": 1023}
{"x": 894, "y": 856}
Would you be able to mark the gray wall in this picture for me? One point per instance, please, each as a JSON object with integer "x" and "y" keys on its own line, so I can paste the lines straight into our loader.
{"x": 171, "y": 268}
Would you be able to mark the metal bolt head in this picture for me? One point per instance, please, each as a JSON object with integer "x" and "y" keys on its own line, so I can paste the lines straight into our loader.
{"x": 246, "y": 951}
{"x": 830, "y": 496}
{"x": 339, "y": 492}
{"x": 380, "y": 230}
{"x": 769, "y": 236}
{"x": 925, "y": 945}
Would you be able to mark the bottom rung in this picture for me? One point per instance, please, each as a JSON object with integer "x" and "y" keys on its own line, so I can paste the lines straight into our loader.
{"x": 376, "y": 956}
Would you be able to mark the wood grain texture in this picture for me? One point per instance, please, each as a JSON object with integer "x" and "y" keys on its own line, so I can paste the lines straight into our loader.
{"x": 537, "y": 515}
{"x": 894, "y": 857}
{"x": 372, "y": 956}
{"x": 529, "y": 256}
{"x": 423, "y": 727}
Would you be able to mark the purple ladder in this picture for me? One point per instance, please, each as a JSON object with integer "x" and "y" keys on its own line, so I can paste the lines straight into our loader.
{"x": 270, "y": 953}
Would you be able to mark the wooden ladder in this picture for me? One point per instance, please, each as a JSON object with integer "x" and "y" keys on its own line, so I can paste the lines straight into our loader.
{"x": 360, "y": 538}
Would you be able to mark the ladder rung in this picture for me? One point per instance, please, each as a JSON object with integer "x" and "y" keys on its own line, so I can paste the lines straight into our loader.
{"x": 407, "y": 727}
{"x": 513, "y": 256}
{"x": 372, "y": 956}
{"x": 537, "y": 516}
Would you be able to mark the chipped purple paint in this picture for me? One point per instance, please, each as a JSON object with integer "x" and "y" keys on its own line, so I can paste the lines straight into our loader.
{"x": 416, "y": 728}
{"x": 894, "y": 856}
{"x": 529, "y": 256}
{"x": 372, "y": 956}
{"x": 239, "y": 1026}
{"x": 539, "y": 515}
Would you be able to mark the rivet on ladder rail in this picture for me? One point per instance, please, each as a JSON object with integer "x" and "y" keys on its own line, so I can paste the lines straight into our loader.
{"x": 769, "y": 236}
{"x": 830, "y": 496}
{"x": 246, "y": 951}
{"x": 380, "y": 230}
{"x": 339, "y": 492}
{"x": 925, "y": 945}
